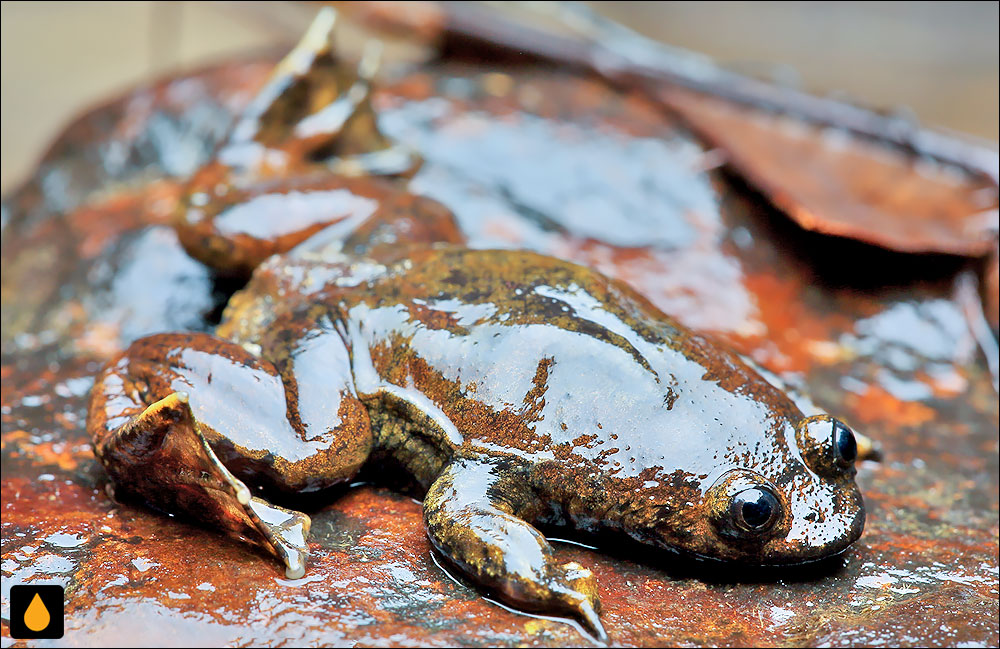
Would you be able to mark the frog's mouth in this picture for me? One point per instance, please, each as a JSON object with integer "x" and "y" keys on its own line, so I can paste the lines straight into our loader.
{"x": 793, "y": 549}
{"x": 751, "y": 563}
{"x": 682, "y": 562}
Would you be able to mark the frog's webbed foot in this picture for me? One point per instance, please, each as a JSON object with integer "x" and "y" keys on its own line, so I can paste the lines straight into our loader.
{"x": 300, "y": 159}
{"x": 472, "y": 517}
{"x": 162, "y": 456}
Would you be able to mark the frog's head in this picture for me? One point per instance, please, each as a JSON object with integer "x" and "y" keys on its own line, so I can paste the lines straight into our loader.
{"x": 795, "y": 509}
{"x": 810, "y": 510}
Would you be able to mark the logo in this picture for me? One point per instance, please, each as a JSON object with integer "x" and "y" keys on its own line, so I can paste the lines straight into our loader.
{"x": 36, "y": 612}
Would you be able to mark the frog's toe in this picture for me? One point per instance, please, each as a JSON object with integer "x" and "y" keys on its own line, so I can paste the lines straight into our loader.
{"x": 591, "y": 620}
{"x": 285, "y": 531}
{"x": 582, "y": 581}
{"x": 577, "y": 594}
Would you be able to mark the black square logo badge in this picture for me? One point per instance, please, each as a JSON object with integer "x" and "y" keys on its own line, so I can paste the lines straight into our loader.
{"x": 36, "y": 612}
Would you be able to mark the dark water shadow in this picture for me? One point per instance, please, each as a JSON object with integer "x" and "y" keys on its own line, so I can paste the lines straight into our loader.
{"x": 830, "y": 262}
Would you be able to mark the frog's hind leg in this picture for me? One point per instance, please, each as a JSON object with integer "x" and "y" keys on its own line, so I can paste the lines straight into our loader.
{"x": 179, "y": 419}
{"x": 300, "y": 158}
{"x": 475, "y": 515}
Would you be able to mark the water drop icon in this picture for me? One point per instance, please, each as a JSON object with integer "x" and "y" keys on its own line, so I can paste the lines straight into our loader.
{"x": 36, "y": 617}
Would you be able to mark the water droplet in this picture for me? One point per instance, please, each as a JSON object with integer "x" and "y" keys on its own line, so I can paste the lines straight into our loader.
{"x": 36, "y": 617}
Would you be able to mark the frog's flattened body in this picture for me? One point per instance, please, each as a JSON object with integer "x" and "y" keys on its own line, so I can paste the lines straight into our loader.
{"x": 518, "y": 388}
{"x": 621, "y": 414}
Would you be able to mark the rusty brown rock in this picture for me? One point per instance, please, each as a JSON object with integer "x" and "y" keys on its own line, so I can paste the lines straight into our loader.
{"x": 875, "y": 337}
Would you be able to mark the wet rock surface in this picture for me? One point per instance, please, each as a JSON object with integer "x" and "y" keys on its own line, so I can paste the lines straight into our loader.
{"x": 532, "y": 158}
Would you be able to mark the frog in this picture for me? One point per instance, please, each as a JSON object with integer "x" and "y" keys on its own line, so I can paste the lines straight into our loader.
{"x": 518, "y": 392}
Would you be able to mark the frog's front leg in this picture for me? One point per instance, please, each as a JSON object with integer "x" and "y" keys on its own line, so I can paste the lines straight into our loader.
{"x": 476, "y": 515}
{"x": 162, "y": 456}
{"x": 183, "y": 421}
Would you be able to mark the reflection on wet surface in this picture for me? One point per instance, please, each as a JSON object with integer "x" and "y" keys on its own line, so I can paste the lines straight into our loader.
{"x": 639, "y": 208}
{"x": 626, "y": 191}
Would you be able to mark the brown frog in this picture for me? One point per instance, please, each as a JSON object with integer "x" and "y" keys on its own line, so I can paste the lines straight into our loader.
{"x": 519, "y": 390}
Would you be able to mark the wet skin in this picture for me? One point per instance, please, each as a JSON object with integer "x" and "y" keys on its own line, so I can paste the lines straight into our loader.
{"x": 518, "y": 390}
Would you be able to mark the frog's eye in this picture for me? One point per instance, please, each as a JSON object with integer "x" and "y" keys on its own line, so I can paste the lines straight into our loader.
{"x": 827, "y": 445}
{"x": 744, "y": 505}
{"x": 754, "y": 511}
{"x": 844, "y": 444}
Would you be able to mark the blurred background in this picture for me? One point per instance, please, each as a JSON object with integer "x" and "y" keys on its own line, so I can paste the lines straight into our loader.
{"x": 937, "y": 59}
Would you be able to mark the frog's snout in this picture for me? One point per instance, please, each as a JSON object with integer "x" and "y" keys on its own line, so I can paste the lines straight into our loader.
{"x": 825, "y": 519}
{"x": 826, "y": 511}
{"x": 809, "y": 518}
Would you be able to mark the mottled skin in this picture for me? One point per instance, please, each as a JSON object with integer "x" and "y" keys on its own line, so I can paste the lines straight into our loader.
{"x": 517, "y": 389}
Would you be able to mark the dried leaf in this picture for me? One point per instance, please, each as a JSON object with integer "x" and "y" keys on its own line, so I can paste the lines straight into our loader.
{"x": 832, "y": 182}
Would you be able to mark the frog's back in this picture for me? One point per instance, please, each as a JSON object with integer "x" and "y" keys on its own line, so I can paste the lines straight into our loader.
{"x": 544, "y": 359}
